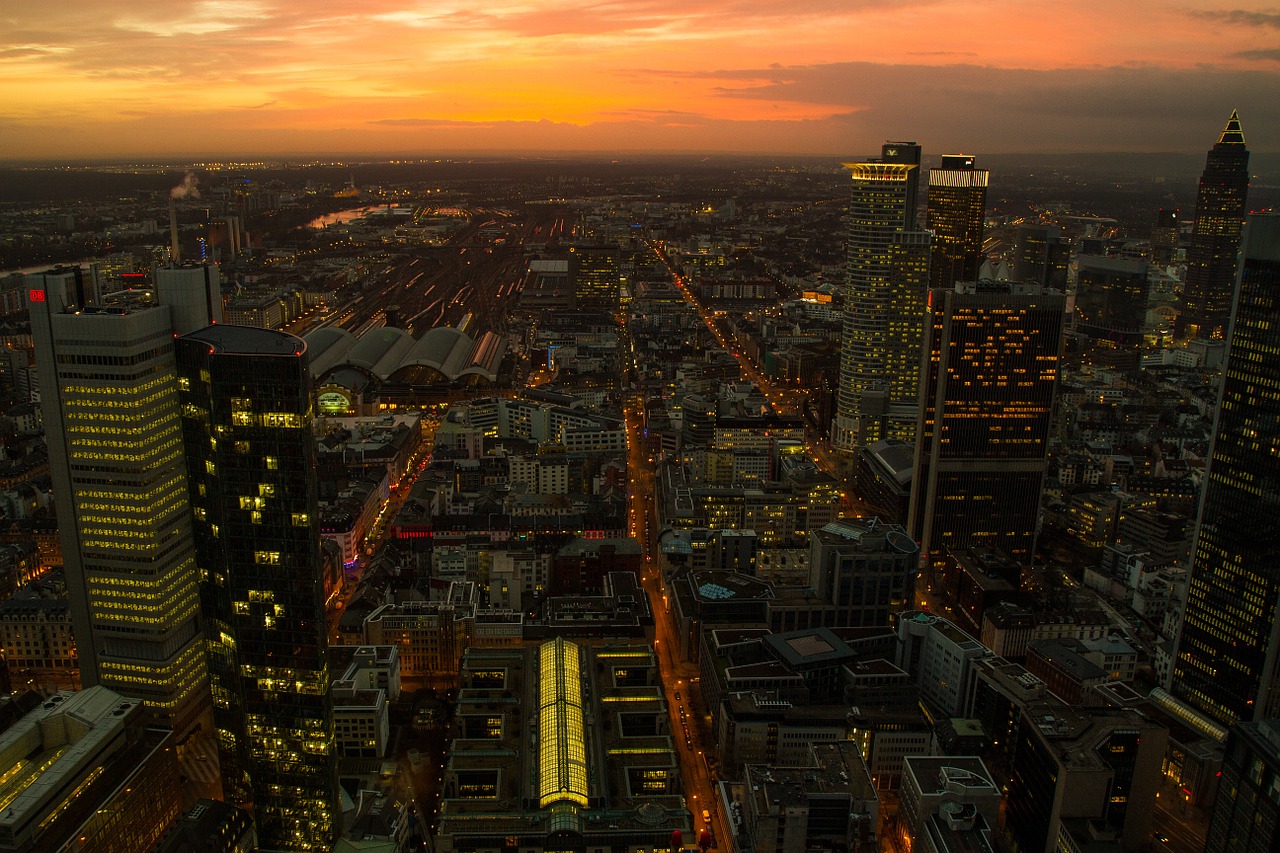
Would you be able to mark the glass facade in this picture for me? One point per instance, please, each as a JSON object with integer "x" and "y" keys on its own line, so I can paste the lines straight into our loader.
{"x": 562, "y": 756}
{"x": 246, "y": 410}
{"x": 985, "y": 412}
{"x": 1111, "y": 310}
{"x": 110, "y": 403}
{"x": 957, "y": 205}
{"x": 888, "y": 278}
{"x": 1215, "y": 240}
{"x": 1227, "y": 651}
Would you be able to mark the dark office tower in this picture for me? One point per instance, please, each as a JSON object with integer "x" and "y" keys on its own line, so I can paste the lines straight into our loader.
{"x": 986, "y": 399}
{"x": 1229, "y": 648}
{"x": 1164, "y": 237}
{"x": 1041, "y": 255}
{"x": 957, "y": 204}
{"x": 109, "y": 395}
{"x": 1246, "y": 810}
{"x": 1111, "y": 310}
{"x": 596, "y": 275}
{"x": 246, "y": 403}
{"x": 888, "y": 278}
{"x": 1215, "y": 238}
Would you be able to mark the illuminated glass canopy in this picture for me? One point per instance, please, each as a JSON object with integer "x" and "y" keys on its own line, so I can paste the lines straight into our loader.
{"x": 562, "y": 757}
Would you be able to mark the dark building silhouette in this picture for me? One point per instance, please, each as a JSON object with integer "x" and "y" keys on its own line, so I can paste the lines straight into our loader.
{"x": 957, "y": 204}
{"x": 1246, "y": 811}
{"x": 1165, "y": 234}
{"x": 1111, "y": 309}
{"x": 247, "y": 413}
{"x": 986, "y": 399}
{"x": 1041, "y": 255}
{"x": 1229, "y": 648}
{"x": 1215, "y": 240}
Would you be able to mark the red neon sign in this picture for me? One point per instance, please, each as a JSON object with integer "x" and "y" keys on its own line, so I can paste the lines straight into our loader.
{"x": 36, "y": 295}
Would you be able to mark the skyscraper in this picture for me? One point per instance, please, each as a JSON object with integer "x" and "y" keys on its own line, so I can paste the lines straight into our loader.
{"x": 596, "y": 275}
{"x": 888, "y": 277}
{"x": 1229, "y": 647}
{"x": 1164, "y": 237}
{"x": 1111, "y": 309}
{"x": 246, "y": 398}
{"x": 1041, "y": 255}
{"x": 1246, "y": 814}
{"x": 957, "y": 205}
{"x": 112, "y": 422}
{"x": 986, "y": 401}
{"x": 1215, "y": 238}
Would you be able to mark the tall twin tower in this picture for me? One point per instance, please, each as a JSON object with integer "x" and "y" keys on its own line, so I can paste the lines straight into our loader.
{"x": 937, "y": 353}
{"x": 183, "y": 463}
{"x": 892, "y": 264}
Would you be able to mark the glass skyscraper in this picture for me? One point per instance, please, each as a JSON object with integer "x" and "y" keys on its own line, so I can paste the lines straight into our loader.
{"x": 246, "y": 414}
{"x": 1229, "y": 647}
{"x": 888, "y": 278}
{"x": 1215, "y": 239}
{"x": 986, "y": 403}
{"x": 957, "y": 206}
{"x": 109, "y": 395}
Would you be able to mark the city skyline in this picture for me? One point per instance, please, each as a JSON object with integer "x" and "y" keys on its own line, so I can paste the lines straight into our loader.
{"x": 275, "y": 77}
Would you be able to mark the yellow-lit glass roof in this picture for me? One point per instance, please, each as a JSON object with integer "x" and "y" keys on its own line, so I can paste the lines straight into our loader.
{"x": 562, "y": 755}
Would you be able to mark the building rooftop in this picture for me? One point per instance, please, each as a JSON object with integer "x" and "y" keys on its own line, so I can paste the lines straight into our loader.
{"x": 248, "y": 340}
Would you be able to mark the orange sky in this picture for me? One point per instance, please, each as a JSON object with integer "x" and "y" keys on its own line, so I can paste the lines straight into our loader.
{"x": 220, "y": 78}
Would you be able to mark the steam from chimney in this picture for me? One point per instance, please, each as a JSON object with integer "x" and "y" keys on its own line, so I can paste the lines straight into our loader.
{"x": 189, "y": 188}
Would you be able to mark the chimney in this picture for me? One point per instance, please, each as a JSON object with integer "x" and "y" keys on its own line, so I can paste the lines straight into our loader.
{"x": 175, "y": 253}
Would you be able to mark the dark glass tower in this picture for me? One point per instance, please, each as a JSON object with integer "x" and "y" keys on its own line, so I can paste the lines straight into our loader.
{"x": 957, "y": 204}
{"x": 1246, "y": 810}
{"x": 1041, "y": 255}
{"x": 1215, "y": 240}
{"x": 246, "y": 396}
{"x": 1111, "y": 309}
{"x": 1229, "y": 648}
{"x": 986, "y": 400}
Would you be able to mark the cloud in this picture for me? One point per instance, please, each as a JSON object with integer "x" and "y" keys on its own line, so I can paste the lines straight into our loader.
{"x": 1239, "y": 17}
{"x": 1272, "y": 53}
{"x": 447, "y": 123}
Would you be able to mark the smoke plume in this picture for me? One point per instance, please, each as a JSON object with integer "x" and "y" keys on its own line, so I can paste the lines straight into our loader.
{"x": 189, "y": 188}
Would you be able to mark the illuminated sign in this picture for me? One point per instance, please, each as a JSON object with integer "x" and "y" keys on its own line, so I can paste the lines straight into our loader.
{"x": 36, "y": 295}
{"x": 332, "y": 402}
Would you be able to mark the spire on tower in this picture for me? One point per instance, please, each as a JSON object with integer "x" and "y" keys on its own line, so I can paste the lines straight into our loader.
{"x": 1232, "y": 134}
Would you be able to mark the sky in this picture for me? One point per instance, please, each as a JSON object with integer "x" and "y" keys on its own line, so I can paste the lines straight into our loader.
{"x": 213, "y": 79}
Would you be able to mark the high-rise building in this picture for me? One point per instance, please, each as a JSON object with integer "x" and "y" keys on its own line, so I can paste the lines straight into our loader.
{"x": 1111, "y": 309}
{"x": 957, "y": 205}
{"x": 888, "y": 277}
{"x": 864, "y": 570}
{"x": 112, "y": 422}
{"x": 1041, "y": 255}
{"x": 986, "y": 400}
{"x": 1229, "y": 648}
{"x": 1165, "y": 234}
{"x": 597, "y": 277}
{"x": 1215, "y": 238}
{"x": 1246, "y": 811}
{"x": 84, "y": 771}
{"x": 247, "y": 412}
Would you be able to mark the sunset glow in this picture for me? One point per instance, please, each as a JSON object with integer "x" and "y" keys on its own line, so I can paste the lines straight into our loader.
{"x": 226, "y": 77}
